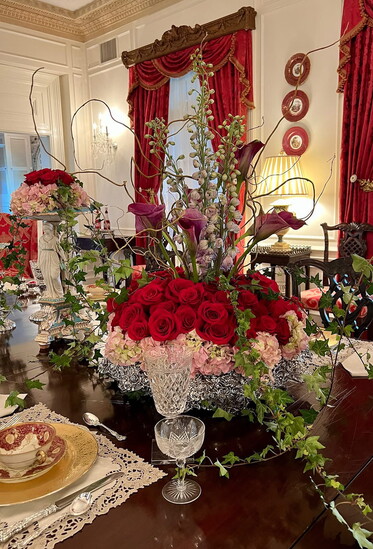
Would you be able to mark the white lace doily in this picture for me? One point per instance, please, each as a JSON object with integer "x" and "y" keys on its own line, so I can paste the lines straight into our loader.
{"x": 137, "y": 474}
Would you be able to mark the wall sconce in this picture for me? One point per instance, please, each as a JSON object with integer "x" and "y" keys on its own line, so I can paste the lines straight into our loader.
{"x": 102, "y": 145}
{"x": 281, "y": 177}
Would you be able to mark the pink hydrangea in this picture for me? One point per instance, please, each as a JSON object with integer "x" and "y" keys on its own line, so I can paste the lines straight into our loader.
{"x": 268, "y": 347}
{"x": 298, "y": 340}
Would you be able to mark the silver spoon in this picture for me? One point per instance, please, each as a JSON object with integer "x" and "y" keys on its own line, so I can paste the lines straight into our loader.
{"x": 93, "y": 421}
{"x": 78, "y": 506}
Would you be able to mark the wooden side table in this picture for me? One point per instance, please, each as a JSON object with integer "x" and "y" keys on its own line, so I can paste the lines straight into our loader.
{"x": 265, "y": 254}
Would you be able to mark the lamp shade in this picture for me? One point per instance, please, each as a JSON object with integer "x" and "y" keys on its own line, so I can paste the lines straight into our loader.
{"x": 282, "y": 169}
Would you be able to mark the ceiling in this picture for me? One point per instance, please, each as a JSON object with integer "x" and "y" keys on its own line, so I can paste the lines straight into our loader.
{"x": 79, "y": 20}
{"x": 71, "y": 5}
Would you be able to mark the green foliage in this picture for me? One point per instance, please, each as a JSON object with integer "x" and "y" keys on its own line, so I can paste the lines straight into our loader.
{"x": 309, "y": 415}
{"x": 219, "y": 412}
{"x": 2, "y": 378}
{"x": 14, "y": 400}
{"x": 319, "y": 347}
{"x": 223, "y": 472}
{"x": 230, "y": 459}
{"x": 34, "y": 384}
{"x": 361, "y": 535}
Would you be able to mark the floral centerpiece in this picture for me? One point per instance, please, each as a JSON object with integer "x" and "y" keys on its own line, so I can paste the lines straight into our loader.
{"x": 48, "y": 190}
{"x": 203, "y": 297}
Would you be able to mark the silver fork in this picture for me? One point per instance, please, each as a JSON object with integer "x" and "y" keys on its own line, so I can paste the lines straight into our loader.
{"x": 8, "y": 423}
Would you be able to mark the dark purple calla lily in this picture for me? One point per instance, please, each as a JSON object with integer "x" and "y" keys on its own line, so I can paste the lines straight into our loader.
{"x": 192, "y": 222}
{"x": 246, "y": 155}
{"x": 148, "y": 216}
{"x": 271, "y": 223}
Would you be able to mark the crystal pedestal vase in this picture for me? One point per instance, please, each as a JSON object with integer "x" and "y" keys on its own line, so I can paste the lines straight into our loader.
{"x": 169, "y": 373}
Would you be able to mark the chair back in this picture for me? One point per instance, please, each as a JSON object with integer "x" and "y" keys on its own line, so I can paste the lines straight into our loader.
{"x": 352, "y": 240}
{"x": 339, "y": 273}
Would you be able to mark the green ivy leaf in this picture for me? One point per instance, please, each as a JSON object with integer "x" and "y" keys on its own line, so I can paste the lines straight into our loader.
{"x": 223, "y": 472}
{"x": 309, "y": 415}
{"x": 320, "y": 347}
{"x": 230, "y": 458}
{"x": 361, "y": 535}
{"x": 34, "y": 384}
{"x": 219, "y": 412}
{"x": 2, "y": 378}
{"x": 14, "y": 400}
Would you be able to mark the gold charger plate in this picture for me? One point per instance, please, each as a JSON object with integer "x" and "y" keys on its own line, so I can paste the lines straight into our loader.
{"x": 81, "y": 453}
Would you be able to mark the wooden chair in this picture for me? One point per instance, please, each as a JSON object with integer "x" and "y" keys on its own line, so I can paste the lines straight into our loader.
{"x": 352, "y": 242}
{"x": 352, "y": 239}
{"x": 338, "y": 273}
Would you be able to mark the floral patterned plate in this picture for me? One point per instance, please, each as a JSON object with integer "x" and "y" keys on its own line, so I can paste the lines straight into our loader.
{"x": 297, "y": 69}
{"x": 81, "y": 453}
{"x": 54, "y": 455}
{"x": 295, "y": 141}
{"x": 295, "y": 105}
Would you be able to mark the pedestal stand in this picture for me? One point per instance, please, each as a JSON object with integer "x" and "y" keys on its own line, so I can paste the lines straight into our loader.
{"x": 53, "y": 325}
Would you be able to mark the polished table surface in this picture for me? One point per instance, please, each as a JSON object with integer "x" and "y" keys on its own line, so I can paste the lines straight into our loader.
{"x": 270, "y": 505}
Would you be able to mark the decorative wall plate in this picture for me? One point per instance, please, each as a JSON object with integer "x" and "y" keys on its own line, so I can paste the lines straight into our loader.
{"x": 297, "y": 69}
{"x": 295, "y": 105}
{"x": 295, "y": 141}
{"x": 80, "y": 455}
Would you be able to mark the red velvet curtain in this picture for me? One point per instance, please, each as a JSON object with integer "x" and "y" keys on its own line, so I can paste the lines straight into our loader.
{"x": 231, "y": 57}
{"x": 148, "y": 97}
{"x": 356, "y": 81}
{"x": 26, "y": 236}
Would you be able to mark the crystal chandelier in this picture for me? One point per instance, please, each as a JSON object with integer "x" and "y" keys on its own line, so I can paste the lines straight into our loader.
{"x": 103, "y": 146}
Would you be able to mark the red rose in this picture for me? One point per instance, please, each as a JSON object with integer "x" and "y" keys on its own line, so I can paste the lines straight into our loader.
{"x": 32, "y": 178}
{"x": 220, "y": 296}
{"x": 213, "y": 313}
{"x": 281, "y": 306}
{"x": 247, "y": 300}
{"x": 192, "y": 295}
{"x": 186, "y": 319}
{"x": 283, "y": 331}
{"x": 266, "y": 323}
{"x": 265, "y": 282}
{"x": 130, "y": 313}
{"x": 260, "y": 309}
{"x": 168, "y": 274}
{"x": 111, "y": 305}
{"x": 163, "y": 325}
{"x": 133, "y": 286}
{"x": 220, "y": 334}
{"x": 150, "y": 294}
{"x": 175, "y": 286}
{"x": 170, "y": 306}
{"x": 252, "y": 331}
{"x": 138, "y": 329}
{"x": 64, "y": 177}
{"x": 48, "y": 177}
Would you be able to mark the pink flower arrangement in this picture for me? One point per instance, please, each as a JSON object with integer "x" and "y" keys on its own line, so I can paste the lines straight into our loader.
{"x": 200, "y": 316}
{"x": 46, "y": 191}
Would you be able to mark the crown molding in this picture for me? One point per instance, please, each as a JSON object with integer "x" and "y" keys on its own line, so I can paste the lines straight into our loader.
{"x": 178, "y": 38}
{"x": 95, "y": 19}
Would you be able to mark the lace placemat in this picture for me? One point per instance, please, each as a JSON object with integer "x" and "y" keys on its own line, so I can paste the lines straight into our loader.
{"x": 137, "y": 474}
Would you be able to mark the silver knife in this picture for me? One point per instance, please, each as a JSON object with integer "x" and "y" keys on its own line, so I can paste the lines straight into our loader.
{"x": 8, "y": 533}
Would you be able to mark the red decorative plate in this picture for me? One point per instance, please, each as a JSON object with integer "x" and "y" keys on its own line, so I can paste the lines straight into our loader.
{"x": 297, "y": 69}
{"x": 295, "y": 105}
{"x": 295, "y": 141}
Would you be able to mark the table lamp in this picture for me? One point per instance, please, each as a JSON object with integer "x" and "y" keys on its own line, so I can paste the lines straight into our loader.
{"x": 281, "y": 176}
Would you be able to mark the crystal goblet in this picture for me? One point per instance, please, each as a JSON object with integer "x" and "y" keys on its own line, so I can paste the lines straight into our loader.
{"x": 169, "y": 372}
{"x": 180, "y": 437}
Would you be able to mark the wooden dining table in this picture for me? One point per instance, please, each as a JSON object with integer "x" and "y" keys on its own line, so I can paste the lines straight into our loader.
{"x": 268, "y": 505}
